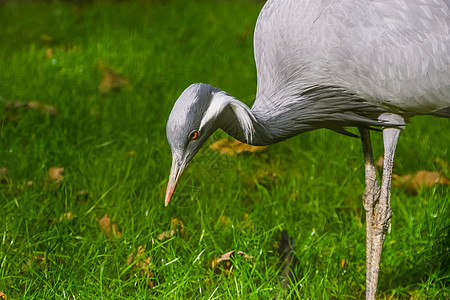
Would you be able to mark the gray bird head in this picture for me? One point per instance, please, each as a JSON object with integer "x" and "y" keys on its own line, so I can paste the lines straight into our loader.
{"x": 189, "y": 126}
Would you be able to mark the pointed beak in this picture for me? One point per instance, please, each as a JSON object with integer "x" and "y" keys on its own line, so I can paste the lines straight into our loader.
{"x": 175, "y": 174}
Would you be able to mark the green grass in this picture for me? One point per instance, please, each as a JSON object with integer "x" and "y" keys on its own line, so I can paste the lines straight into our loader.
{"x": 162, "y": 47}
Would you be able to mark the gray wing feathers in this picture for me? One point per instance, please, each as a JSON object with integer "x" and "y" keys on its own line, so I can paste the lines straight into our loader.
{"x": 393, "y": 53}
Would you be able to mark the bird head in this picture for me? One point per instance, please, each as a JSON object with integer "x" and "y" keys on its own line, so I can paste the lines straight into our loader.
{"x": 189, "y": 125}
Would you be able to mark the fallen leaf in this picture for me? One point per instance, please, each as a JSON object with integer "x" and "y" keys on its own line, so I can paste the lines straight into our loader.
{"x": 142, "y": 263}
{"x": 43, "y": 108}
{"x": 176, "y": 226}
{"x": 10, "y": 112}
{"x": 110, "y": 230}
{"x": 233, "y": 147}
{"x": 413, "y": 182}
{"x": 380, "y": 162}
{"x": 112, "y": 80}
{"x": 3, "y": 179}
{"x": 224, "y": 221}
{"x": 165, "y": 235}
{"x": 344, "y": 262}
{"x": 81, "y": 196}
{"x": 12, "y": 108}
{"x": 49, "y": 52}
{"x": 225, "y": 261}
{"x": 56, "y": 174}
{"x": 15, "y": 104}
{"x": 65, "y": 217}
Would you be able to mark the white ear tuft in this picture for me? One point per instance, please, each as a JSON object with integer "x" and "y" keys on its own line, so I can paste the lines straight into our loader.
{"x": 218, "y": 103}
{"x": 245, "y": 119}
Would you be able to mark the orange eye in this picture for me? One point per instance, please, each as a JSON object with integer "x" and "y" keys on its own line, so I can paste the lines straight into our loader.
{"x": 193, "y": 135}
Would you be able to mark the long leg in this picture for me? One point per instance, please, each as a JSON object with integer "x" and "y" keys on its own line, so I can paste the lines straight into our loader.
{"x": 381, "y": 210}
{"x": 370, "y": 197}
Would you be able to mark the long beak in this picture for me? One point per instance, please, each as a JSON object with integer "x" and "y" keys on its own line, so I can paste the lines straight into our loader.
{"x": 175, "y": 173}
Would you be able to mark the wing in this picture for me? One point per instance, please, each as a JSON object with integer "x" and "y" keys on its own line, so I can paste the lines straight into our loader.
{"x": 394, "y": 54}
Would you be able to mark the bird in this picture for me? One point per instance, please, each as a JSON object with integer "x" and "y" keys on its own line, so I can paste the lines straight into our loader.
{"x": 367, "y": 64}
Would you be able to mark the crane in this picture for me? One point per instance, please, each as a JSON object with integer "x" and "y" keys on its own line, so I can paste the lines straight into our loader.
{"x": 369, "y": 64}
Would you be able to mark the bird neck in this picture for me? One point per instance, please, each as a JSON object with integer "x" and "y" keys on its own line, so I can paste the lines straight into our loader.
{"x": 263, "y": 124}
{"x": 287, "y": 114}
{"x": 231, "y": 124}
{"x": 249, "y": 126}
{"x": 235, "y": 118}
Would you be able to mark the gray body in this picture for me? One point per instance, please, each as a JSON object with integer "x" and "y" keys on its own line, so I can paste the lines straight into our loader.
{"x": 331, "y": 64}
{"x": 392, "y": 55}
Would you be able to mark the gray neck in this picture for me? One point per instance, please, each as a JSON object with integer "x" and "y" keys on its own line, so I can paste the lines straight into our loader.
{"x": 282, "y": 117}
{"x": 261, "y": 134}
{"x": 268, "y": 127}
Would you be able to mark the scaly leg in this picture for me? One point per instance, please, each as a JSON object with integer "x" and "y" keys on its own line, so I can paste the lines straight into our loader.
{"x": 380, "y": 212}
{"x": 370, "y": 197}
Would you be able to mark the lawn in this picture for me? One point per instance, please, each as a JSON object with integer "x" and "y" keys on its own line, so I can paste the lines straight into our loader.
{"x": 98, "y": 228}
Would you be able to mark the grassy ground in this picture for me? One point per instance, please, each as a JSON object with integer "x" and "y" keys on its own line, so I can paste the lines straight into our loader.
{"x": 113, "y": 149}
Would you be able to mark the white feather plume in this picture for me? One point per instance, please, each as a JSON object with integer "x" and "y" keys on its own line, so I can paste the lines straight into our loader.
{"x": 243, "y": 114}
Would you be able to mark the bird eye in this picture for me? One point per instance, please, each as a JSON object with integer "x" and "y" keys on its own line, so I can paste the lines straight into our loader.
{"x": 193, "y": 135}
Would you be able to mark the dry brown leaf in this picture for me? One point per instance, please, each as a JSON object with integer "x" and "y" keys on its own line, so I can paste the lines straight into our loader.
{"x": 56, "y": 174}
{"x": 224, "y": 221}
{"x": 110, "y": 230}
{"x": 112, "y": 80}
{"x": 165, "y": 235}
{"x": 10, "y": 112}
{"x": 344, "y": 262}
{"x": 380, "y": 162}
{"x": 43, "y": 108}
{"x": 233, "y": 147}
{"x": 3, "y": 179}
{"x": 81, "y": 196}
{"x": 49, "y": 52}
{"x": 224, "y": 261}
{"x": 139, "y": 258}
{"x": 11, "y": 108}
{"x": 14, "y": 105}
{"x": 176, "y": 226}
{"x": 66, "y": 217}
{"x": 413, "y": 182}
{"x": 141, "y": 262}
